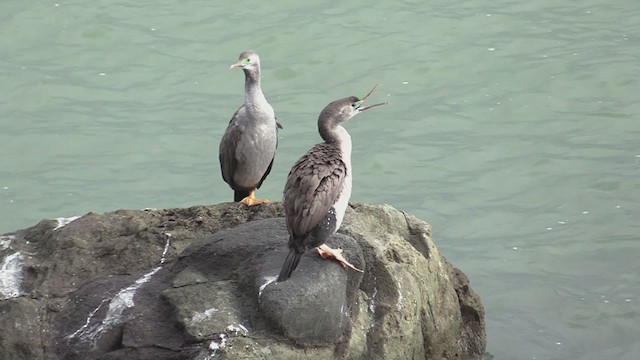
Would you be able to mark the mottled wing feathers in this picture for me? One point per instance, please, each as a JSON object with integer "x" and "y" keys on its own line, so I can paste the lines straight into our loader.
{"x": 313, "y": 186}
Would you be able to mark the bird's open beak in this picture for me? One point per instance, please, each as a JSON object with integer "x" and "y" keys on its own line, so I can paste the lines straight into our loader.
{"x": 238, "y": 64}
{"x": 363, "y": 108}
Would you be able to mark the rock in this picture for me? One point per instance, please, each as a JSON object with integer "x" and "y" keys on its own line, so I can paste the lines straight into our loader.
{"x": 315, "y": 306}
{"x": 20, "y": 325}
{"x": 197, "y": 283}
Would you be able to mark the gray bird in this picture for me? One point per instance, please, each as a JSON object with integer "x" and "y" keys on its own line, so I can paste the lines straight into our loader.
{"x": 248, "y": 146}
{"x": 318, "y": 188}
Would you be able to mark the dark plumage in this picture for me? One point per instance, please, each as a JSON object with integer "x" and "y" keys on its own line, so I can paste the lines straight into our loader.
{"x": 318, "y": 187}
{"x": 249, "y": 143}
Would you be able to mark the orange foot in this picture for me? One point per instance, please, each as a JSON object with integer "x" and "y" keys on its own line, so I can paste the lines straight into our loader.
{"x": 328, "y": 253}
{"x": 252, "y": 201}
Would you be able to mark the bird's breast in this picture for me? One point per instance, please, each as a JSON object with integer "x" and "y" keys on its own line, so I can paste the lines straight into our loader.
{"x": 342, "y": 201}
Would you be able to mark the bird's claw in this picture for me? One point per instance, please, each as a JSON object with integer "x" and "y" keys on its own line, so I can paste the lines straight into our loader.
{"x": 252, "y": 201}
{"x": 328, "y": 253}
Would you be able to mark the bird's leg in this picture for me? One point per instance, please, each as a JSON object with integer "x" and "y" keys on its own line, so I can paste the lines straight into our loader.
{"x": 252, "y": 201}
{"x": 327, "y": 253}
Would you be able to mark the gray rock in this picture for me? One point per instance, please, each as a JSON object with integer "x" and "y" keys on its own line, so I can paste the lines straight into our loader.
{"x": 158, "y": 285}
{"x": 315, "y": 306}
{"x": 20, "y": 326}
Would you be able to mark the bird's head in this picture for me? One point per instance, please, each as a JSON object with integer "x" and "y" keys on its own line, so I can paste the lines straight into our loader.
{"x": 248, "y": 60}
{"x": 341, "y": 110}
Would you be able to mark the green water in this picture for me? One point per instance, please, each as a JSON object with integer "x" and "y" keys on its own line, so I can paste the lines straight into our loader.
{"x": 513, "y": 128}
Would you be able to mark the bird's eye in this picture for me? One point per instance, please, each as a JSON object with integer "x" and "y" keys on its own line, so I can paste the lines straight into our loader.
{"x": 247, "y": 60}
{"x": 353, "y": 105}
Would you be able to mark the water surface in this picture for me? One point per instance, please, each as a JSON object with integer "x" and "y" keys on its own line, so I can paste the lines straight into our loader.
{"x": 513, "y": 128}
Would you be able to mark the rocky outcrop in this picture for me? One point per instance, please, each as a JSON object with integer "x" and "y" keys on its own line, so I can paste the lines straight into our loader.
{"x": 198, "y": 283}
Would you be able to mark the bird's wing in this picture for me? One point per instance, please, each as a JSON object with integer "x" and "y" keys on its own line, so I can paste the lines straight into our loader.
{"x": 266, "y": 173}
{"x": 313, "y": 185}
{"x": 227, "y": 151}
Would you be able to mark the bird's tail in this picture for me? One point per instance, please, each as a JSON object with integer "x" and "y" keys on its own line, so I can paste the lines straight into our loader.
{"x": 290, "y": 264}
{"x": 240, "y": 194}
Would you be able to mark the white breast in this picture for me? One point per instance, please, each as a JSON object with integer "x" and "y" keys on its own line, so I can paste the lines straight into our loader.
{"x": 342, "y": 202}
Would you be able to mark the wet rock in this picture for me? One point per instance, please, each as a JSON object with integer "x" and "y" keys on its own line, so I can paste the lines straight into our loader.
{"x": 197, "y": 283}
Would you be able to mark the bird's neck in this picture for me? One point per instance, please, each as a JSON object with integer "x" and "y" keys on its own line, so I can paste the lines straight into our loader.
{"x": 253, "y": 96}
{"x": 338, "y": 136}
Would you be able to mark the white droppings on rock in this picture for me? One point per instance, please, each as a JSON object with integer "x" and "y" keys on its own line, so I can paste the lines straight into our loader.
{"x": 166, "y": 247}
{"x": 5, "y": 241}
{"x": 220, "y": 341}
{"x": 124, "y": 299}
{"x": 218, "y": 344}
{"x": 11, "y": 276}
{"x": 269, "y": 280}
{"x": 237, "y": 329}
{"x": 372, "y": 304}
{"x": 63, "y": 221}
{"x": 118, "y": 304}
{"x": 88, "y": 321}
{"x": 200, "y": 316}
